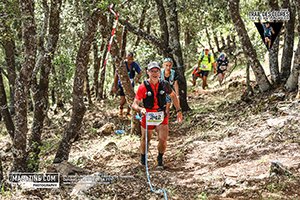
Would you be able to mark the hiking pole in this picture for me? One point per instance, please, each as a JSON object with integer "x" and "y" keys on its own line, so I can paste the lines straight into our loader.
{"x": 157, "y": 191}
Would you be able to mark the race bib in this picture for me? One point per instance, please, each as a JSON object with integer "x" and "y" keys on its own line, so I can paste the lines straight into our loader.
{"x": 223, "y": 67}
{"x": 154, "y": 118}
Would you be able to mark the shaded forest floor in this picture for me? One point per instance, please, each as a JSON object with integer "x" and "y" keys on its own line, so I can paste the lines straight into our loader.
{"x": 222, "y": 150}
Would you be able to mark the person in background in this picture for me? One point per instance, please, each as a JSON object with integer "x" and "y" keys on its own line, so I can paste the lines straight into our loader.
{"x": 222, "y": 64}
{"x": 134, "y": 73}
{"x": 170, "y": 75}
{"x": 205, "y": 64}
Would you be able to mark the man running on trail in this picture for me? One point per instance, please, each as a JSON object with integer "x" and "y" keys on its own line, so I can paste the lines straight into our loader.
{"x": 132, "y": 68}
{"x": 205, "y": 64}
{"x": 152, "y": 93}
{"x": 222, "y": 64}
{"x": 169, "y": 74}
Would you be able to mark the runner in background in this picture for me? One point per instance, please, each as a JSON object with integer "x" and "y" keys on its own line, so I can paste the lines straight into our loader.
{"x": 132, "y": 68}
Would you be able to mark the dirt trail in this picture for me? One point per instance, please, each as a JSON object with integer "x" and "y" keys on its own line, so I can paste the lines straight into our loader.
{"x": 224, "y": 150}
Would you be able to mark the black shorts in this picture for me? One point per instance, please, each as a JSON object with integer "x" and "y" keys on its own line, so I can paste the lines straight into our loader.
{"x": 220, "y": 71}
{"x": 268, "y": 36}
{"x": 204, "y": 73}
{"x": 121, "y": 91}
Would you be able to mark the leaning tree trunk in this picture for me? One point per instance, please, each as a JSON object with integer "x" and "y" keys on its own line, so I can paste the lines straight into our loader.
{"x": 124, "y": 78}
{"x": 177, "y": 54}
{"x": 41, "y": 94}
{"x": 273, "y": 56}
{"x": 22, "y": 85}
{"x": 248, "y": 49}
{"x": 4, "y": 111}
{"x": 78, "y": 107}
{"x": 288, "y": 47}
{"x": 106, "y": 26}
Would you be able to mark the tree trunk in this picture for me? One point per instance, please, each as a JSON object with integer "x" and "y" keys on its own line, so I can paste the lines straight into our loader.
{"x": 298, "y": 93}
{"x": 87, "y": 88}
{"x": 163, "y": 25}
{"x": 293, "y": 80}
{"x": 142, "y": 21}
{"x": 273, "y": 61}
{"x": 102, "y": 71}
{"x": 273, "y": 56}
{"x": 106, "y": 27}
{"x": 215, "y": 35}
{"x": 41, "y": 95}
{"x": 148, "y": 37}
{"x": 22, "y": 85}
{"x": 248, "y": 49}
{"x": 4, "y": 111}
{"x": 223, "y": 42}
{"x": 97, "y": 64}
{"x": 209, "y": 42}
{"x": 78, "y": 107}
{"x": 177, "y": 54}
{"x": 291, "y": 83}
{"x": 1, "y": 172}
{"x": 288, "y": 48}
{"x": 9, "y": 50}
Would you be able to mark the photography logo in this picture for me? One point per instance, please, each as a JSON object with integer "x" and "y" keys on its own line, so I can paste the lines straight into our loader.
{"x": 269, "y": 23}
{"x": 35, "y": 180}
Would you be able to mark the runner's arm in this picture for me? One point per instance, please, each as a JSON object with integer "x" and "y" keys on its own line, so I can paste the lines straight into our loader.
{"x": 136, "y": 107}
{"x": 137, "y": 77}
{"x": 177, "y": 106}
{"x": 115, "y": 86}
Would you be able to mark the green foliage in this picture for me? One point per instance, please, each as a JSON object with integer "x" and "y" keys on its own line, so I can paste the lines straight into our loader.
{"x": 62, "y": 83}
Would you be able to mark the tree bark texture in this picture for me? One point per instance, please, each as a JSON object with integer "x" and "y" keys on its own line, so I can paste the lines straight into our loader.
{"x": 9, "y": 50}
{"x": 78, "y": 107}
{"x": 163, "y": 25}
{"x": 106, "y": 25}
{"x": 209, "y": 41}
{"x": 248, "y": 49}
{"x": 273, "y": 61}
{"x": 41, "y": 95}
{"x": 142, "y": 22}
{"x": 125, "y": 81}
{"x": 22, "y": 85}
{"x": 146, "y": 36}
{"x": 87, "y": 88}
{"x": 97, "y": 64}
{"x": 4, "y": 111}
{"x": 292, "y": 82}
{"x": 177, "y": 53}
{"x": 288, "y": 48}
{"x": 215, "y": 35}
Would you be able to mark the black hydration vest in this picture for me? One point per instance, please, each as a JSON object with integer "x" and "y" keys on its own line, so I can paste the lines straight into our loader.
{"x": 163, "y": 89}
